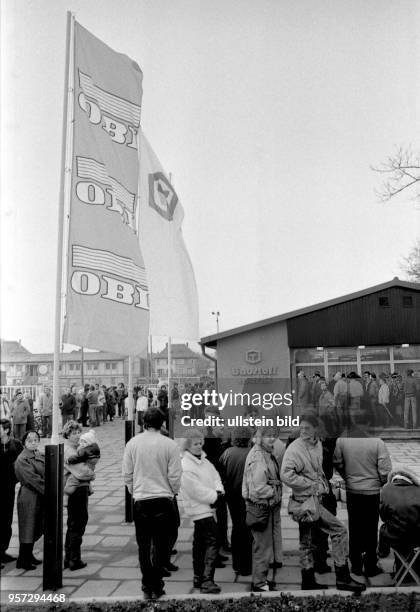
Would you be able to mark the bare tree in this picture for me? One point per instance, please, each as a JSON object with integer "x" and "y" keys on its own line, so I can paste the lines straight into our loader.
{"x": 401, "y": 174}
{"x": 411, "y": 263}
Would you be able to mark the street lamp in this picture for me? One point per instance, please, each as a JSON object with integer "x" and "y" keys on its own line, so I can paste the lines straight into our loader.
{"x": 216, "y": 313}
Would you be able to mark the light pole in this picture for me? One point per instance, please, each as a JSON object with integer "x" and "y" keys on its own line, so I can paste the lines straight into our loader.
{"x": 216, "y": 313}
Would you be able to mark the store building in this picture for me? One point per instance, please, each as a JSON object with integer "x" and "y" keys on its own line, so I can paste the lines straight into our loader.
{"x": 376, "y": 329}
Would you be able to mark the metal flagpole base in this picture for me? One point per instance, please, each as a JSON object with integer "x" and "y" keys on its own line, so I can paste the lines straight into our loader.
{"x": 52, "y": 577}
{"x": 130, "y": 432}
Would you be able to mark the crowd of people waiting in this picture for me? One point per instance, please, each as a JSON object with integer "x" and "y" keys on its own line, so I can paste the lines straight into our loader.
{"x": 246, "y": 472}
{"x": 384, "y": 400}
{"x": 213, "y": 472}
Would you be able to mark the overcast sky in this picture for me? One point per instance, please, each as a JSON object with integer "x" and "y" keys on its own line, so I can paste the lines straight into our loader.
{"x": 268, "y": 114}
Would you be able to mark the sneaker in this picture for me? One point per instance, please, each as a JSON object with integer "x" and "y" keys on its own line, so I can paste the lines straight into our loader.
{"x": 264, "y": 588}
{"x": 209, "y": 587}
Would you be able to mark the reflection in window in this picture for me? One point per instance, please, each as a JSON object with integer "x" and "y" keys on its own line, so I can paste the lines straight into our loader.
{"x": 342, "y": 354}
{"x": 309, "y": 356}
{"x": 407, "y": 352}
{"x": 371, "y": 353}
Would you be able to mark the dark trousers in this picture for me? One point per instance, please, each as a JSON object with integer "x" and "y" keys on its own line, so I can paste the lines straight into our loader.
{"x": 46, "y": 426}
{"x": 173, "y": 536}
{"x": 77, "y": 518}
{"x": 84, "y": 408}
{"x": 241, "y": 538}
{"x": 8, "y": 502}
{"x": 363, "y": 513}
{"x": 154, "y": 521}
{"x": 222, "y": 522}
{"x": 205, "y": 548}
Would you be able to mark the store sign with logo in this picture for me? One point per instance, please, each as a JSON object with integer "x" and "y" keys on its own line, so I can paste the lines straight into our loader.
{"x": 253, "y": 357}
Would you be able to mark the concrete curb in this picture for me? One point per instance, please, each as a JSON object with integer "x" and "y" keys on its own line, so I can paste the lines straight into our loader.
{"x": 270, "y": 595}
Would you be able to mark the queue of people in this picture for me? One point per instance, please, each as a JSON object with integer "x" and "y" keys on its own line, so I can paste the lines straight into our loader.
{"x": 250, "y": 475}
{"x": 384, "y": 400}
{"x": 245, "y": 472}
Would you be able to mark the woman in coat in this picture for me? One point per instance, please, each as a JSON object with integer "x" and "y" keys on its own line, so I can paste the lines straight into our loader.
{"x": 232, "y": 464}
{"x": 30, "y": 472}
{"x": 262, "y": 490}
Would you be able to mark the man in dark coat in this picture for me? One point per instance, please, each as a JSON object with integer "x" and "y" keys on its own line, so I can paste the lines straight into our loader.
{"x": 9, "y": 451}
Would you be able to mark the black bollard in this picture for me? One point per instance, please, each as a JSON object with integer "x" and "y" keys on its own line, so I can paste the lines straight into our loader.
{"x": 130, "y": 431}
{"x": 52, "y": 576}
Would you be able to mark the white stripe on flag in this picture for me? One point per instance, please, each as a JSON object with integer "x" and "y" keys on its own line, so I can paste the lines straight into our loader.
{"x": 91, "y": 169}
{"x": 105, "y": 261}
{"x": 109, "y": 102}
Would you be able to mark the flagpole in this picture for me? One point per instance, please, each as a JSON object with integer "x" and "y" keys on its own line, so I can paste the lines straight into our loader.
{"x": 54, "y": 456}
{"x": 170, "y": 420}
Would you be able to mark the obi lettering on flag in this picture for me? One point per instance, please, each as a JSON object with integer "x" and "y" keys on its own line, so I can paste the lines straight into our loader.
{"x": 172, "y": 287}
{"x": 107, "y": 305}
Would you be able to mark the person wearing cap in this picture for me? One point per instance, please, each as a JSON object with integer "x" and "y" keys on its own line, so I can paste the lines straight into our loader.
{"x": 400, "y": 512}
{"x": 410, "y": 401}
{"x": 232, "y": 465}
{"x": 262, "y": 492}
{"x": 302, "y": 471}
{"x": 19, "y": 413}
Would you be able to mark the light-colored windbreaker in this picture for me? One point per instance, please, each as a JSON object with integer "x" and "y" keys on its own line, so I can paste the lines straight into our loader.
{"x": 260, "y": 468}
{"x": 199, "y": 485}
{"x": 302, "y": 469}
{"x": 364, "y": 463}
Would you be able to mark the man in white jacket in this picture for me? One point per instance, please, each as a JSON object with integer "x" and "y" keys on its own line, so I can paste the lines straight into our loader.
{"x": 201, "y": 488}
{"x": 152, "y": 474}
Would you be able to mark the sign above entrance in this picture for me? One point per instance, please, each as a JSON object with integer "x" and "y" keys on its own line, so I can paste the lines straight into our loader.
{"x": 253, "y": 356}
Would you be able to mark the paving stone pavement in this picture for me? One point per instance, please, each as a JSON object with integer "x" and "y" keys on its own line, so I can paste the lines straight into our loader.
{"x": 110, "y": 549}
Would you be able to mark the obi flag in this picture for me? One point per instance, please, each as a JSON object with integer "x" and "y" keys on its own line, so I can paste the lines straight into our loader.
{"x": 172, "y": 288}
{"x": 107, "y": 296}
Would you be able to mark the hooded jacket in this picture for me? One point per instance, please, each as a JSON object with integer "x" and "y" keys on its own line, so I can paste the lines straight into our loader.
{"x": 400, "y": 509}
{"x": 200, "y": 482}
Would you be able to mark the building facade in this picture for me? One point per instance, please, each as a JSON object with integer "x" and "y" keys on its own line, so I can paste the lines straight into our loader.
{"x": 375, "y": 330}
{"x": 23, "y": 368}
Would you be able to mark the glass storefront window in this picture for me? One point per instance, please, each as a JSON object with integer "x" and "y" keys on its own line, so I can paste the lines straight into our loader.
{"x": 309, "y": 356}
{"x": 373, "y": 353}
{"x": 342, "y": 354}
{"x": 408, "y": 352}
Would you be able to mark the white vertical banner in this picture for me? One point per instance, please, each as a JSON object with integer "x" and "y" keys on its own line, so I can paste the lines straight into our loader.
{"x": 107, "y": 294}
{"x": 172, "y": 288}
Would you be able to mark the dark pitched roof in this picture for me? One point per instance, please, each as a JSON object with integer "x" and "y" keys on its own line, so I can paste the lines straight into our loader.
{"x": 178, "y": 351}
{"x": 11, "y": 347}
{"x": 211, "y": 341}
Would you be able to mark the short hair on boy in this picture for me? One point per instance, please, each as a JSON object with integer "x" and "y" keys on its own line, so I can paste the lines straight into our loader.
{"x": 153, "y": 418}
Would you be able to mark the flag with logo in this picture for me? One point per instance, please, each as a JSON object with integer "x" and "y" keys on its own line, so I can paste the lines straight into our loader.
{"x": 172, "y": 288}
{"x": 107, "y": 295}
